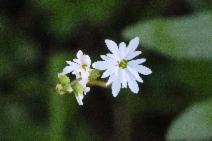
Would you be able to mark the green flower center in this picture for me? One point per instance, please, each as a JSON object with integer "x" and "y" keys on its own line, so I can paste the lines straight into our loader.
{"x": 84, "y": 66}
{"x": 122, "y": 64}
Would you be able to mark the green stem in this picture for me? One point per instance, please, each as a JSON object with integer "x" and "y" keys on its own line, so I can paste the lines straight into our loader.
{"x": 57, "y": 117}
{"x": 98, "y": 83}
{"x": 92, "y": 83}
{"x": 75, "y": 81}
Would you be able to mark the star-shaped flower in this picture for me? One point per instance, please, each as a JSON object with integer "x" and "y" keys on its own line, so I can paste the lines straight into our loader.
{"x": 80, "y": 66}
{"x": 120, "y": 68}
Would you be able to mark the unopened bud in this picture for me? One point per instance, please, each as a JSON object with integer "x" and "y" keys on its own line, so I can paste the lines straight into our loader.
{"x": 67, "y": 88}
{"x": 59, "y": 89}
{"x": 63, "y": 79}
{"x": 94, "y": 74}
{"x": 77, "y": 88}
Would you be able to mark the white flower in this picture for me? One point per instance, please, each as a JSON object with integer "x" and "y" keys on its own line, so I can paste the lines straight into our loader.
{"x": 80, "y": 66}
{"x": 83, "y": 83}
{"x": 80, "y": 89}
{"x": 120, "y": 68}
{"x": 79, "y": 98}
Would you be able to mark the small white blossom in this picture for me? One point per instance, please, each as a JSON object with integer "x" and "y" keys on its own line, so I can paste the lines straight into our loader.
{"x": 120, "y": 68}
{"x": 79, "y": 98}
{"x": 83, "y": 83}
{"x": 80, "y": 66}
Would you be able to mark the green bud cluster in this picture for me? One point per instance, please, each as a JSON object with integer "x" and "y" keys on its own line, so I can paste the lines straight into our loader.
{"x": 59, "y": 89}
{"x": 65, "y": 86}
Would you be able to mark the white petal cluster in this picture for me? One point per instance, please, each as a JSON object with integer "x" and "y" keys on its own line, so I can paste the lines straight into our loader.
{"x": 81, "y": 68}
{"x": 120, "y": 67}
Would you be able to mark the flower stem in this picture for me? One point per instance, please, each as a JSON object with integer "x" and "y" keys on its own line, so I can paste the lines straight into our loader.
{"x": 75, "y": 81}
{"x": 98, "y": 83}
{"x": 92, "y": 83}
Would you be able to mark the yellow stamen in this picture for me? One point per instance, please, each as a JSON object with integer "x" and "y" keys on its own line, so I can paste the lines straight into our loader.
{"x": 84, "y": 66}
{"x": 122, "y": 64}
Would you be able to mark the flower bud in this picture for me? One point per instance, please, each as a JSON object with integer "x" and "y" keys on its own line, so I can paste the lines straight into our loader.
{"x": 67, "y": 88}
{"x": 59, "y": 89}
{"x": 63, "y": 79}
{"x": 94, "y": 74}
{"x": 77, "y": 88}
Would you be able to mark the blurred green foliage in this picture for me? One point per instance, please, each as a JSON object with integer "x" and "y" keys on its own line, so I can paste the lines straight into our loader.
{"x": 186, "y": 37}
{"x": 65, "y": 16}
{"x": 187, "y": 40}
{"x": 193, "y": 124}
{"x": 175, "y": 38}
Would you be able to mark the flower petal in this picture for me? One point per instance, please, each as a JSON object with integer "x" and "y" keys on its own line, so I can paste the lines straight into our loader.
{"x": 72, "y": 63}
{"x": 79, "y": 98}
{"x": 79, "y": 54}
{"x": 69, "y": 69}
{"x": 86, "y": 60}
{"x": 133, "y": 45}
{"x": 116, "y": 68}
{"x": 76, "y": 61}
{"x": 116, "y": 86}
{"x": 100, "y": 65}
{"x": 132, "y": 55}
{"x": 136, "y": 62}
{"x": 111, "y": 79}
{"x": 143, "y": 70}
{"x": 113, "y": 56}
{"x": 108, "y": 72}
{"x": 109, "y": 60}
{"x": 122, "y": 73}
{"x": 132, "y": 83}
{"x": 84, "y": 74}
{"x": 122, "y": 50}
{"x": 112, "y": 46}
{"x": 83, "y": 82}
{"x": 134, "y": 73}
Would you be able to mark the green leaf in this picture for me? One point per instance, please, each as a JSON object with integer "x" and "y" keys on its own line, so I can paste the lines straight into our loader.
{"x": 193, "y": 124}
{"x": 99, "y": 10}
{"x": 63, "y": 15}
{"x": 186, "y": 37}
{"x": 66, "y": 16}
{"x": 61, "y": 106}
{"x": 200, "y": 5}
{"x": 197, "y": 74}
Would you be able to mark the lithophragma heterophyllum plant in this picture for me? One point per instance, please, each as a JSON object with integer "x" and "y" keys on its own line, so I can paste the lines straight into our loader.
{"x": 117, "y": 65}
